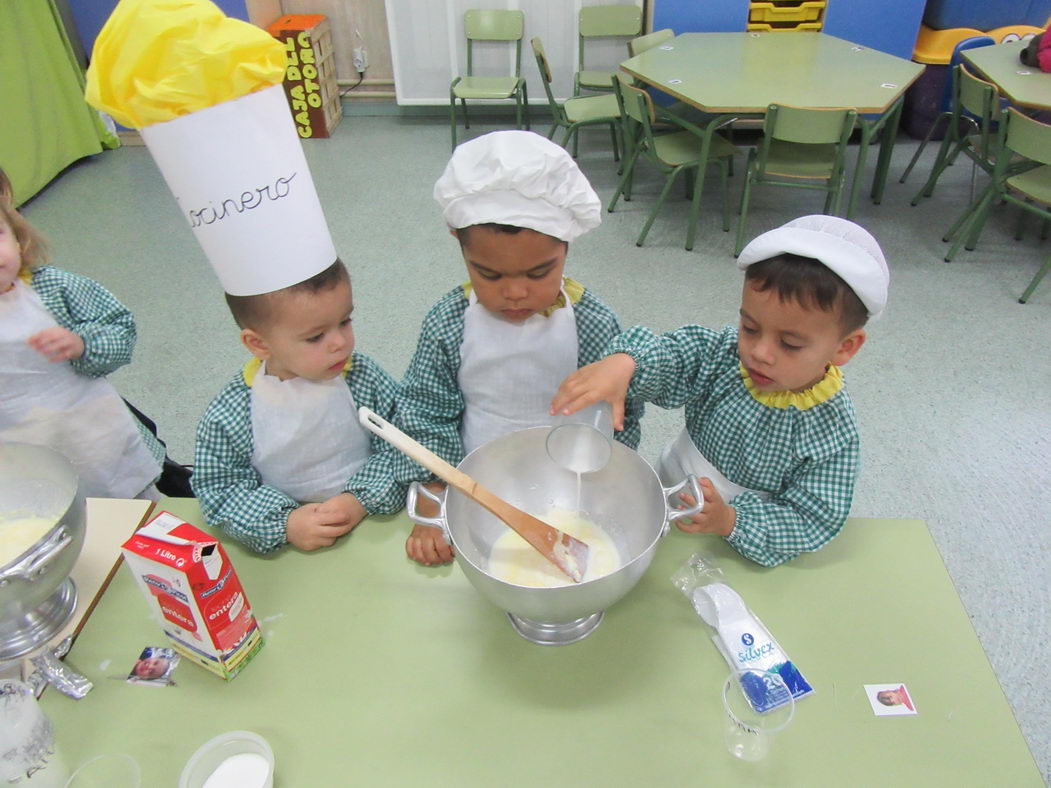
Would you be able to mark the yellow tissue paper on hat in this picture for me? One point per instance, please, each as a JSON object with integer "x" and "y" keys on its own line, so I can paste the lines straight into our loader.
{"x": 155, "y": 60}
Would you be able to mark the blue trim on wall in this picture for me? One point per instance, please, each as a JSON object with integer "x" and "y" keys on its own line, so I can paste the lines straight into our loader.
{"x": 701, "y": 16}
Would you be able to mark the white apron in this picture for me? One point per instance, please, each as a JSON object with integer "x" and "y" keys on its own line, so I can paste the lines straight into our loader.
{"x": 681, "y": 458}
{"x": 306, "y": 436}
{"x": 50, "y": 404}
{"x": 509, "y": 372}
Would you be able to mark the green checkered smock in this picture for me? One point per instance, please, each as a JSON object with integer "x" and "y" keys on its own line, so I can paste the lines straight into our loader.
{"x": 804, "y": 455}
{"x": 231, "y": 492}
{"x": 107, "y": 327}
{"x": 430, "y": 404}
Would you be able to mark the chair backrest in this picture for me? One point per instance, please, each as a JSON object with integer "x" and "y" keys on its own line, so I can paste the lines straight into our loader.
{"x": 1025, "y": 136}
{"x": 808, "y": 125}
{"x": 981, "y": 100}
{"x": 636, "y": 108}
{"x": 597, "y": 21}
{"x": 545, "y": 76}
{"x": 957, "y": 57}
{"x": 639, "y": 45}
{"x": 487, "y": 24}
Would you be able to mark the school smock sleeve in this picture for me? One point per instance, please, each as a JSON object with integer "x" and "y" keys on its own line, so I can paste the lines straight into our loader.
{"x": 811, "y": 509}
{"x": 231, "y": 493}
{"x": 373, "y": 484}
{"x": 429, "y": 405}
{"x": 597, "y": 325}
{"x": 674, "y": 368}
{"x": 93, "y": 313}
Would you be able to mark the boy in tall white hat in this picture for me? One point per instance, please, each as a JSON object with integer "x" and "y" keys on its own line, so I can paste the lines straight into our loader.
{"x": 492, "y": 352}
{"x": 280, "y": 456}
{"x": 770, "y": 430}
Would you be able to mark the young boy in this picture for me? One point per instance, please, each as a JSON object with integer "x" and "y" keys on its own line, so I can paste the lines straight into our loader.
{"x": 492, "y": 352}
{"x": 281, "y": 457}
{"x": 770, "y": 430}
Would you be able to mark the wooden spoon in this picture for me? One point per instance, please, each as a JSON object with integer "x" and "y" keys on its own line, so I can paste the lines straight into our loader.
{"x": 566, "y": 552}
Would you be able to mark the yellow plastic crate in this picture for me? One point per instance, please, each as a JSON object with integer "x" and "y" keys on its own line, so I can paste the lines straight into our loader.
{"x": 809, "y": 11}
{"x": 766, "y": 27}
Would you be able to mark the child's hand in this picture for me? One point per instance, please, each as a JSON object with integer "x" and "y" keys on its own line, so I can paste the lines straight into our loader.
{"x": 607, "y": 379}
{"x": 58, "y": 344}
{"x": 310, "y": 527}
{"x": 346, "y": 507}
{"x": 717, "y": 517}
{"x": 427, "y": 546}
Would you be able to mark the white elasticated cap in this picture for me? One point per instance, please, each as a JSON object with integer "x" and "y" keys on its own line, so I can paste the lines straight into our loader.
{"x": 843, "y": 246}
{"x": 517, "y": 178}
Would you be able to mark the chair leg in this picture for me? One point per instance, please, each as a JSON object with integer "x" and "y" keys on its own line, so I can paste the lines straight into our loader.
{"x": 1045, "y": 228}
{"x": 452, "y": 120}
{"x": 656, "y": 208}
{"x": 940, "y": 163}
{"x": 695, "y": 208}
{"x": 963, "y": 219}
{"x": 466, "y": 120}
{"x": 629, "y": 167}
{"x": 551, "y": 134}
{"x": 919, "y": 151}
{"x": 1020, "y": 226}
{"x": 743, "y": 210}
{"x": 616, "y": 143}
{"x": 1036, "y": 280}
{"x": 966, "y": 230}
{"x": 725, "y": 165}
{"x": 525, "y": 103}
{"x": 687, "y": 182}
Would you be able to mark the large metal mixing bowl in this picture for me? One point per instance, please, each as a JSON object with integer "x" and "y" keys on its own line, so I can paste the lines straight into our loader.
{"x": 625, "y": 499}
{"x": 37, "y": 595}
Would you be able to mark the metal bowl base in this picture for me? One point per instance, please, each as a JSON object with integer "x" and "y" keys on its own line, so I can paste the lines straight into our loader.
{"x": 555, "y": 634}
{"x": 19, "y": 636}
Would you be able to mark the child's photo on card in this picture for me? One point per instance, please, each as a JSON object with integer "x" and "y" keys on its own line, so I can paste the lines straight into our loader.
{"x": 890, "y": 700}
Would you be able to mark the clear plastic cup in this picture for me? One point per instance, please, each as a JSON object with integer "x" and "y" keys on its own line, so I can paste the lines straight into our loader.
{"x": 583, "y": 441}
{"x": 758, "y": 704}
{"x": 211, "y": 756}
{"x": 114, "y": 770}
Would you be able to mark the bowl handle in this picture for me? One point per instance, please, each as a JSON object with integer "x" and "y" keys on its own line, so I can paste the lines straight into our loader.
{"x": 34, "y": 566}
{"x": 415, "y": 490}
{"x": 671, "y": 510}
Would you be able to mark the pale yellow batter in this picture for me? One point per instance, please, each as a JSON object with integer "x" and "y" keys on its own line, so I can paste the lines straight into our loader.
{"x": 514, "y": 561}
{"x": 18, "y": 534}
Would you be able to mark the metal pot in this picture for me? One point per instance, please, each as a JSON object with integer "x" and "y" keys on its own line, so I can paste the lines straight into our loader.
{"x": 625, "y": 498}
{"x": 37, "y": 595}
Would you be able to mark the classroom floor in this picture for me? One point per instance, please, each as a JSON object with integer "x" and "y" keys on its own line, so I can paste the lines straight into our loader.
{"x": 953, "y": 388}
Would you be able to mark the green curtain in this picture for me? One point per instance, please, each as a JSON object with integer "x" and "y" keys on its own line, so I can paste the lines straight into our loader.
{"x": 45, "y": 124}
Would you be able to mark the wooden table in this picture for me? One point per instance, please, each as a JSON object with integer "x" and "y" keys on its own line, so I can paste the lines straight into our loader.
{"x": 743, "y": 73}
{"x": 380, "y": 672}
{"x": 1025, "y": 86}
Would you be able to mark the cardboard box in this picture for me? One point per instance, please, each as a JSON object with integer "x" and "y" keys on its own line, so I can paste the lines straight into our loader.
{"x": 310, "y": 76}
{"x": 194, "y": 593}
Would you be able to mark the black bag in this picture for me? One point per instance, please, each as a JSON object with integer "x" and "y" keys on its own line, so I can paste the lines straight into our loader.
{"x": 175, "y": 478}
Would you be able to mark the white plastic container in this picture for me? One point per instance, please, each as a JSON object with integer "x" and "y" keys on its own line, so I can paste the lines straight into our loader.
{"x": 211, "y": 755}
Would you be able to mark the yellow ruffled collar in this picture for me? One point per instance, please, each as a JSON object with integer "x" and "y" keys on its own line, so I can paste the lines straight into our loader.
{"x": 572, "y": 288}
{"x": 253, "y": 365}
{"x": 822, "y": 391}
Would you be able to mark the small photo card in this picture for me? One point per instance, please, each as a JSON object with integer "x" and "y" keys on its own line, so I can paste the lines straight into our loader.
{"x": 154, "y": 667}
{"x": 889, "y": 700}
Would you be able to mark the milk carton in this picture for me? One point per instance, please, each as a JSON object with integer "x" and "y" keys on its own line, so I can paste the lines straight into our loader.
{"x": 195, "y": 594}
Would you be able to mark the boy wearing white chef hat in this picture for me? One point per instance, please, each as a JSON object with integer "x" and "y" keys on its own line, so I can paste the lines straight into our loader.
{"x": 492, "y": 352}
{"x": 280, "y": 455}
{"x": 770, "y": 430}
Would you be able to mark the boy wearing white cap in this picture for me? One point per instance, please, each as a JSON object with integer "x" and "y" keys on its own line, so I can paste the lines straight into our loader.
{"x": 492, "y": 352}
{"x": 770, "y": 430}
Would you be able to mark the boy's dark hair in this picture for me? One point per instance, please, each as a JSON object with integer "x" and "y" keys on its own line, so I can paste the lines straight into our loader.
{"x": 256, "y": 311}
{"x": 811, "y": 284}
{"x": 510, "y": 229}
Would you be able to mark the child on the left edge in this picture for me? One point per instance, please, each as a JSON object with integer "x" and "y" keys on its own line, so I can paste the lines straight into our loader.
{"x": 60, "y": 335}
{"x": 281, "y": 457}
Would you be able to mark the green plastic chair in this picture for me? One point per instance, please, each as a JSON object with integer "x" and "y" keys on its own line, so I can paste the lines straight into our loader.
{"x": 576, "y": 113}
{"x": 639, "y": 45}
{"x": 490, "y": 25}
{"x": 1025, "y": 184}
{"x": 689, "y": 151}
{"x": 801, "y": 148}
{"x": 975, "y": 106}
{"x": 602, "y": 21}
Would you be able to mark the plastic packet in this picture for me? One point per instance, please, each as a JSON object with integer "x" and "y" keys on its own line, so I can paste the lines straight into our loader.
{"x": 737, "y": 632}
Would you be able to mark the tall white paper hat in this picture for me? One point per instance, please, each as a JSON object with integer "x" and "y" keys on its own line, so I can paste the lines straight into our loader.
{"x": 239, "y": 175}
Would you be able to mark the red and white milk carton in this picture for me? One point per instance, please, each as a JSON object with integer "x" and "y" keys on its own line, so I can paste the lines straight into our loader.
{"x": 195, "y": 593}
